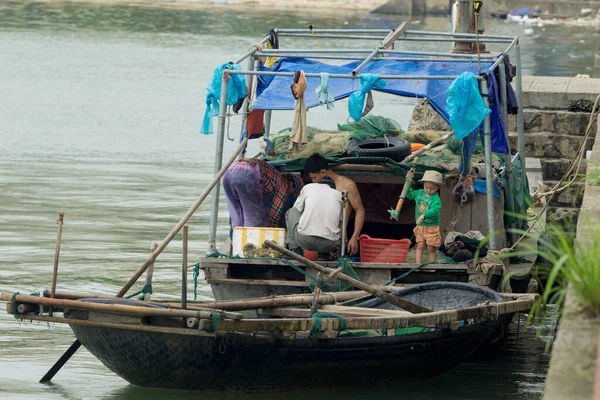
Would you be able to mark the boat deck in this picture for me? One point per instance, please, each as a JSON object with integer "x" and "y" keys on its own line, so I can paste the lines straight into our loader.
{"x": 236, "y": 278}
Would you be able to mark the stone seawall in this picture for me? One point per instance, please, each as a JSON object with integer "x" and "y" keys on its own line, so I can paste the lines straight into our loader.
{"x": 556, "y": 115}
{"x": 574, "y": 363}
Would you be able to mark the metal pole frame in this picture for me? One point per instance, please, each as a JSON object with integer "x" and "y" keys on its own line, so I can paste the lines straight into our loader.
{"x": 281, "y": 52}
{"x": 507, "y": 158}
{"x": 246, "y": 105}
{"x": 251, "y": 51}
{"x": 386, "y": 31}
{"x": 415, "y": 59}
{"x": 401, "y": 38}
{"x": 445, "y": 37}
{"x": 489, "y": 175}
{"x": 520, "y": 118}
{"x": 214, "y": 211}
{"x": 348, "y": 76}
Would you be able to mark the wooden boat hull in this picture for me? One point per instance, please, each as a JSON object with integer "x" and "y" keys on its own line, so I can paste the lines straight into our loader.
{"x": 233, "y": 279}
{"x": 254, "y": 362}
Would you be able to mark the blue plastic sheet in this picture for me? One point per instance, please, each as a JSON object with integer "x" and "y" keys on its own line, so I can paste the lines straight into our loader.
{"x": 236, "y": 90}
{"x": 273, "y": 92}
{"x": 356, "y": 102}
{"x": 480, "y": 186}
{"x": 465, "y": 106}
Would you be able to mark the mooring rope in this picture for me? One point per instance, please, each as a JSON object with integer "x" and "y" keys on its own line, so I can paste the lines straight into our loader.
{"x": 319, "y": 323}
{"x": 146, "y": 289}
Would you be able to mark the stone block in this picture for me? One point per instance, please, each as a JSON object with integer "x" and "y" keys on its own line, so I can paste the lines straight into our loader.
{"x": 425, "y": 118}
{"x": 570, "y": 197}
{"x": 548, "y": 145}
{"x": 554, "y": 169}
{"x": 555, "y": 93}
{"x": 573, "y": 213}
{"x": 556, "y": 121}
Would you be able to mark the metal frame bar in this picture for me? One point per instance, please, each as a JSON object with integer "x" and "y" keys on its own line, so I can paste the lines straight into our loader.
{"x": 489, "y": 176}
{"x": 520, "y": 117}
{"x": 401, "y": 38}
{"x": 386, "y": 31}
{"x": 349, "y": 76}
{"x": 246, "y": 105}
{"x": 253, "y": 53}
{"x": 321, "y": 57}
{"x": 280, "y": 52}
{"x": 214, "y": 209}
{"x": 510, "y": 184}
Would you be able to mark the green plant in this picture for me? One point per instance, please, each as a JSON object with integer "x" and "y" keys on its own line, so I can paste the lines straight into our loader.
{"x": 572, "y": 268}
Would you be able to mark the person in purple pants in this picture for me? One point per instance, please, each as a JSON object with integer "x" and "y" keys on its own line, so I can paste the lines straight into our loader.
{"x": 247, "y": 182}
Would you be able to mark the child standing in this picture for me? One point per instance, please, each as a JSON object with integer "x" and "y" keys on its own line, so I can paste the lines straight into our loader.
{"x": 427, "y": 214}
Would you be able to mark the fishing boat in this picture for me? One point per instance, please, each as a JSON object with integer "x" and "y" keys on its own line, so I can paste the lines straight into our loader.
{"x": 252, "y": 337}
{"x": 502, "y": 189}
{"x": 151, "y": 344}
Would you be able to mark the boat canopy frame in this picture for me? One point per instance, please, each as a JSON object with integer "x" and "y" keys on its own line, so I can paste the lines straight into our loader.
{"x": 386, "y": 36}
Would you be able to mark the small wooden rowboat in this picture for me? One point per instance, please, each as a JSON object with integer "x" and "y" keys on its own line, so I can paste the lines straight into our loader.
{"x": 212, "y": 346}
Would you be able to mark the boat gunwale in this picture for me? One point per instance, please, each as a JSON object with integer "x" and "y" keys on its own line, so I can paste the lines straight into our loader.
{"x": 484, "y": 312}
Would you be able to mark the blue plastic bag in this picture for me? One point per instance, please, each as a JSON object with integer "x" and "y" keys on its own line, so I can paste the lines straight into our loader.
{"x": 356, "y": 102}
{"x": 465, "y": 106}
{"x": 236, "y": 90}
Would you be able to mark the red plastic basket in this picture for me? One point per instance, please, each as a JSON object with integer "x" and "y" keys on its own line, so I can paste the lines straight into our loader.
{"x": 383, "y": 250}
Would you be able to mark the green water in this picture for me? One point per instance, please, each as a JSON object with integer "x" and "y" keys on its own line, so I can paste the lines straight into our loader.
{"x": 100, "y": 110}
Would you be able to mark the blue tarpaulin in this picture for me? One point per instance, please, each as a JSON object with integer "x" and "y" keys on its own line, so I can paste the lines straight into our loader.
{"x": 273, "y": 92}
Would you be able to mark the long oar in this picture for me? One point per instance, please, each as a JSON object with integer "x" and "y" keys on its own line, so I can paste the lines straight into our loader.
{"x": 65, "y": 357}
{"x": 397, "y": 301}
{"x": 395, "y": 213}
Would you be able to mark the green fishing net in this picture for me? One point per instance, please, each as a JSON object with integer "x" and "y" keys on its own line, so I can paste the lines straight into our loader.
{"x": 326, "y": 143}
{"x": 372, "y": 126}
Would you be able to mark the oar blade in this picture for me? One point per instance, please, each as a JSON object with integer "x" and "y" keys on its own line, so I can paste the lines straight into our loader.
{"x": 61, "y": 361}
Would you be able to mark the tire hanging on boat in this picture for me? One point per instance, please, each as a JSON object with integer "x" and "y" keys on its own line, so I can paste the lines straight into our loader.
{"x": 391, "y": 147}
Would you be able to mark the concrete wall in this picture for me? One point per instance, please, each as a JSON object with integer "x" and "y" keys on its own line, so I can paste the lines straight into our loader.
{"x": 574, "y": 353}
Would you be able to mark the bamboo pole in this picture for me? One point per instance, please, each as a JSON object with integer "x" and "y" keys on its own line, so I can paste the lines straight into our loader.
{"x": 116, "y": 308}
{"x": 150, "y": 272}
{"x": 486, "y": 312}
{"x": 397, "y": 301}
{"x": 182, "y": 222}
{"x": 428, "y": 147}
{"x": 56, "y": 255}
{"x": 489, "y": 312}
{"x": 184, "y": 269}
{"x": 278, "y": 301}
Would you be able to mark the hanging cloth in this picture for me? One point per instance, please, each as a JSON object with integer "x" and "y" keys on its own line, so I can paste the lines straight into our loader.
{"x": 323, "y": 93}
{"x": 272, "y": 43}
{"x": 255, "y": 124}
{"x": 236, "y": 90}
{"x": 356, "y": 102}
{"x": 298, "y": 137}
{"x": 498, "y": 132}
{"x": 465, "y": 106}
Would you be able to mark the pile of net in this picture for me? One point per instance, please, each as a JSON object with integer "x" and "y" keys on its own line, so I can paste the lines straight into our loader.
{"x": 325, "y": 143}
{"x": 372, "y": 126}
{"x": 334, "y": 143}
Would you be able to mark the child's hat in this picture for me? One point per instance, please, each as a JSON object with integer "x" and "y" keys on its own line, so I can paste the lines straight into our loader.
{"x": 433, "y": 177}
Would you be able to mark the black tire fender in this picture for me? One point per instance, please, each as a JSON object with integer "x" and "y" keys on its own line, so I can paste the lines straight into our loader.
{"x": 395, "y": 148}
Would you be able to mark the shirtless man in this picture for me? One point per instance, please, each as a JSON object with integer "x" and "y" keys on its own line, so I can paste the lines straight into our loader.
{"x": 316, "y": 168}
